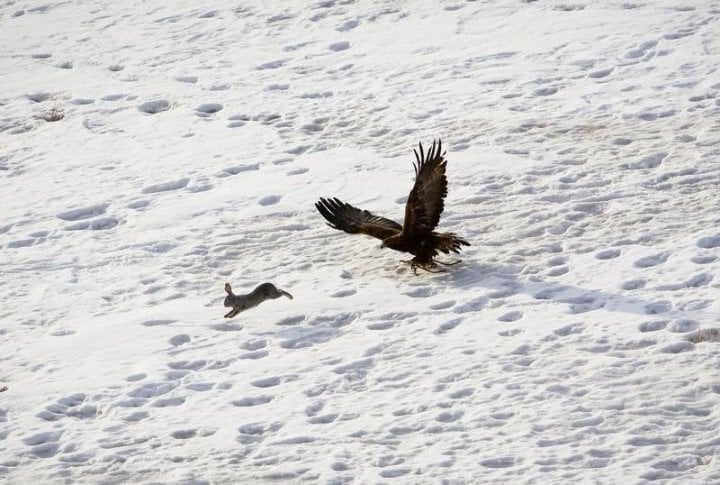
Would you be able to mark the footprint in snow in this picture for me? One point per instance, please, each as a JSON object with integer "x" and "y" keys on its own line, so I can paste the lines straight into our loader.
{"x": 447, "y": 326}
{"x": 100, "y": 224}
{"x": 650, "y": 261}
{"x": 640, "y": 50}
{"x": 650, "y": 161}
{"x": 607, "y": 254}
{"x": 703, "y": 259}
{"x": 208, "y": 109}
{"x": 187, "y": 79}
{"x": 658, "y": 307}
{"x": 178, "y": 340}
{"x": 155, "y": 323}
{"x": 252, "y": 401}
{"x": 236, "y": 169}
{"x": 138, "y": 204}
{"x": 82, "y": 101}
{"x": 512, "y": 316}
{"x": 634, "y": 284}
{"x": 73, "y": 406}
{"x": 44, "y": 445}
{"x": 709, "y": 242}
{"x": 83, "y": 213}
{"x": 269, "y": 200}
{"x": 166, "y": 186}
{"x": 155, "y": 106}
{"x": 339, "y": 46}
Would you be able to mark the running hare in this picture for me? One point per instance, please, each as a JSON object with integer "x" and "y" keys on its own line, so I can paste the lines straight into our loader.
{"x": 240, "y": 303}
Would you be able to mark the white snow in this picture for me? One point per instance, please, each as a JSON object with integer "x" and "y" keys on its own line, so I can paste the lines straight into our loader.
{"x": 584, "y": 167}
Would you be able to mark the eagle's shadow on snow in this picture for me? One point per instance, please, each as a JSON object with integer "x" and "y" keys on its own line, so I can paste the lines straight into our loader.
{"x": 505, "y": 281}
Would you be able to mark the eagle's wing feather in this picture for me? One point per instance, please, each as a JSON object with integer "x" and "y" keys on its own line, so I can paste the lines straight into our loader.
{"x": 426, "y": 200}
{"x": 344, "y": 217}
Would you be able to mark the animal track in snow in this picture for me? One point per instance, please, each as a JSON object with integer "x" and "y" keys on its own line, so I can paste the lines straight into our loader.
{"x": 266, "y": 382}
{"x": 461, "y": 393}
{"x": 601, "y": 73}
{"x": 683, "y": 326}
{"x": 167, "y": 186}
{"x": 500, "y": 462}
{"x": 187, "y": 79}
{"x": 658, "y": 307}
{"x": 640, "y": 50}
{"x": 607, "y": 254}
{"x": 270, "y": 200}
{"x": 178, "y": 340}
{"x": 290, "y": 321}
{"x": 44, "y": 445}
{"x": 259, "y": 354}
{"x": 252, "y": 401}
{"x": 348, "y": 25}
{"x": 573, "y": 328}
{"x": 154, "y": 107}
{"x": 72, "y": 406}
{"x": 703, "y": 259}
{"x": 512, "y": 316}
{"x": 709, "y": 242}
{"x": 697, "y": 281}
{"x": 634, "y": 284}
{"x": 271, "y": 65}
{"x": 339, "y": 46}
{"x": 82, "y": 101}
{"x": 449, "y": 325}
{"x": 323, "y": 419}
{"x": 208, "y": 109}
{"x": 474, "y": 305}
{"x": 677, "y": 347}
{"x": 650, "y": 161}
{"x": 236, "y": 169}
{"x": 168, "y": 402}
{"x": 38, "y": 97}
{"x": 100, "y": 224}
{"x": 442, "y": 305}
{"x": 184, "y": 434}
{"x": 650, "y": 261}
{"x": 155, "y": 323}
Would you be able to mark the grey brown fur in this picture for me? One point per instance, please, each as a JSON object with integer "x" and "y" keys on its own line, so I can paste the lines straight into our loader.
{"x": 240, "y": 303}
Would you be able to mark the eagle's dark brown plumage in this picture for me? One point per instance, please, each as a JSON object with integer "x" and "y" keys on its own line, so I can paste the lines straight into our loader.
{"x": 422, "y": 213}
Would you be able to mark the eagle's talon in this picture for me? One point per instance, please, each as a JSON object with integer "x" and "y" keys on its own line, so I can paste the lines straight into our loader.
{"x": 430, "y": 267}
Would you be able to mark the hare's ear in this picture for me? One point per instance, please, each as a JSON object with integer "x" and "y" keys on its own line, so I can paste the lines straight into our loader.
{"x": 228, "y": 289}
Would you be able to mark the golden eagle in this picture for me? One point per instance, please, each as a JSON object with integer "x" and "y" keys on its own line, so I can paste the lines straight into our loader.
{"x": 422, "y": 213}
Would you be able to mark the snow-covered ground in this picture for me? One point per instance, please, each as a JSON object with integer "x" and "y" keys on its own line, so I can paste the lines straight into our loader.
{"x": 583, "y": 140}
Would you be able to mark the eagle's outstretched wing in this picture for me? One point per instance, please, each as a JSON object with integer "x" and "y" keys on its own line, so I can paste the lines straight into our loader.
{"x": 426, "y": 200}
{"x": 345, "y": 217}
